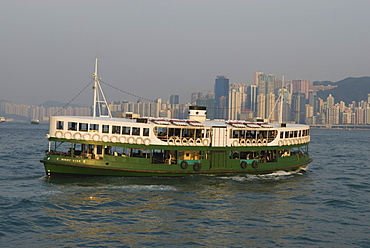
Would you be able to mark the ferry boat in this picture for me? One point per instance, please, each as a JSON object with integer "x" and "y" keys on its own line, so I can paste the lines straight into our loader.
{"x": 103, "y": 145}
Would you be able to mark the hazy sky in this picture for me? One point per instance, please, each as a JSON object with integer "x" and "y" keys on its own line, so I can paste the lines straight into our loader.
{"x": 156, "y": 48}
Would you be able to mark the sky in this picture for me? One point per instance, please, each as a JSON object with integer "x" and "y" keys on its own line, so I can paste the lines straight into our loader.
{"x": 156, "y": 48}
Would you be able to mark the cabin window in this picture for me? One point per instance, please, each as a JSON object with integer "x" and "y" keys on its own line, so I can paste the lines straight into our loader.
{"x": 116, "y": 130}
{"x": 174, "y": 132}
{"x": 94, "y": 127}
{"x": 250, "y": 134}
{"x": 287, "y": 134}
{"x": 145, "y": 131}
{"x": 136, "y": 131}
{"x": 188, "y": 133}
{"x": 162, "y": 132}
{"x": 83, "y": 127}
{"x": 272, "y": 135}
{"x": 126, "y": 130}
{"x": 60, "y": 125}
{"x": 72, "y": 126}
{"x": 281, "y": 135}
{"x": 105, "y": 129}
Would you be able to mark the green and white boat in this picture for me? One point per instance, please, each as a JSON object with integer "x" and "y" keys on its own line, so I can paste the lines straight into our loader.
{"x": 102, "y": 145}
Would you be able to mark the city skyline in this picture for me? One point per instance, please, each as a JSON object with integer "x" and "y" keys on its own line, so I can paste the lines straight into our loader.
{"x": 233, "y": 102}
{"x": 164, "y": 47}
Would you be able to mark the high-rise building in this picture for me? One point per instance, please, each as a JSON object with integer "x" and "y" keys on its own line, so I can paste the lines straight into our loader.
{"x": 221, "y": 96}
{"x": 174, "y": 99}
{"x": 251, "y": 103}
{"x": 299, "y": 107}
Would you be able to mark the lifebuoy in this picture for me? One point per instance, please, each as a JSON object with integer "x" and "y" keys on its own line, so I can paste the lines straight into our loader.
{"x": 171, "y": 141}
{"x": 254, "y": 142}
{"x": 147, "y": 141}
{"x": 67, "y": 135}
{"x": 242, "y": 142}
{"x": 235, "y": 143}
{"x": 197, "y": 166}
{"x": 122, "y": 139}
{"x": 191, "y": 142}
{"x": 255, "y": 164}
{"x": 185, "y": 141}
{"x": 178, "y": 141}
{"x": 248, "y": 142}
{"x": 205, "y": 142}
{"x": 139, "y": 141}
{"x": 243, "y": 164}
{"x": 198, "y": 142}
{"x": 87, "y": 136}
{"x": 58, "y": 134}
{"x": 105, "y": 138}
{"x": 131, "y": 140}
{"x": 77, "y": 136}
{"x": 281, "y": 143}
{"x": 96, "y": 137}
{"x": 184, "y": 165}
{"x": 114, "y": 139}
{"x": 264, "y": 141}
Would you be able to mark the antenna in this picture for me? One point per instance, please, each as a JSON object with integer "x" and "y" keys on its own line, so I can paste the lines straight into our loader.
{"x": 97, "y": 93}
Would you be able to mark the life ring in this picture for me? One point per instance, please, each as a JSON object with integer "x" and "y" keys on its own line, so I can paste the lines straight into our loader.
{"x": 147, "y": 142}
{"x": 264, "y": 142}
{"x": 114, "y": 139}
{"x": 242, "y": 142}
{"x": 178, "y": 141}
{"x": 185, "y": 141}
{"x": 139, "y": 141}
{"x": 248, "y": 142}
{"x": 96, "y": 137}
{"x": 197, "y": 166}
{"x": 87, "y": 136}
{"x": 259, "y": 142}
{"x": 255, "y": 164}
{"x": 58, "y": 134}
{"x": 67, "y": 135}
{"x": 77, "y": 136}
{"x": 131, "y": 140}
{"x": 105, "y": 138}
{"x": 191, "y": 142}
{"x": 171, "y": 141}
{"x": 254, "y": 142}
{"x": 235, "y": 143}
{"x": 205, "y": 142}
{"x": 281, "y": 143}
{"x": 243, "y": 164}
{"x": 122, "y": 139}
{"x": 184, "y": 165}
{"x": 198, "y": 142}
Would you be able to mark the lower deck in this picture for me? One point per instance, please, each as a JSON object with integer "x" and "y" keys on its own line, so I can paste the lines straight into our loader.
{"x": 96, "y": 159}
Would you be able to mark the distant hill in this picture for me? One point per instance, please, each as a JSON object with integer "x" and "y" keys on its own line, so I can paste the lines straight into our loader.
{"x": 348, "y": 90}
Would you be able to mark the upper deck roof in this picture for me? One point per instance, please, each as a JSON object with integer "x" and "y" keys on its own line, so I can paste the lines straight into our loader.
{"x": 182, "y": 122}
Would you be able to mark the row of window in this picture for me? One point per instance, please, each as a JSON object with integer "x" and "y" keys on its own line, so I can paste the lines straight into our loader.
{"x": 295, "y": 134}
{"x": 86, "y": 127}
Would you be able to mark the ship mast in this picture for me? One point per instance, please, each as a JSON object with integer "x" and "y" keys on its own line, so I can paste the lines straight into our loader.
{"x": 98, "y": 92}
{"x": 281, "y": 100}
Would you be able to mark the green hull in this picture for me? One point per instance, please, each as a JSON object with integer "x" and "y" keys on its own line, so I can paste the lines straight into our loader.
{"x": 218, "y": 164}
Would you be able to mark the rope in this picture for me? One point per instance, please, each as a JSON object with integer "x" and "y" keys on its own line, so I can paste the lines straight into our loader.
{"x": 72, "y": 99}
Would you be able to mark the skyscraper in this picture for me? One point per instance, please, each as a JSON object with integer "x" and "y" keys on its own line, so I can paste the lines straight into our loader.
{"x": 174, "y": 99}
{"x": 221, "y": 92}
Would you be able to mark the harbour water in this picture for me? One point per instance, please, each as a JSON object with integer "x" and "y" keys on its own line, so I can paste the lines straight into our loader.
{"x": 326, "y": 206}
